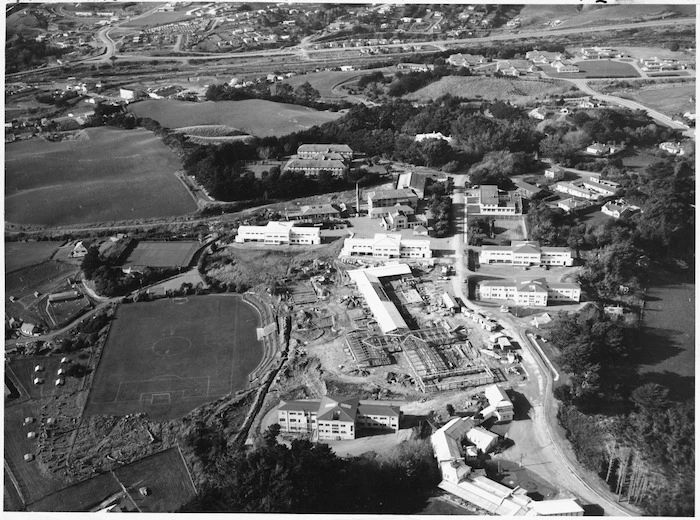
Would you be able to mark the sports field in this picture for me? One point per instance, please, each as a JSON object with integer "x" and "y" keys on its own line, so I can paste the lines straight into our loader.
{"x": 252, "y": 116}
{"x": 595, "y": 69}
{"x": 162, "y": 254}
{"x": 106, "y": 174}
{"x": 167, "y": 357}
{"x": 668, "y": 99}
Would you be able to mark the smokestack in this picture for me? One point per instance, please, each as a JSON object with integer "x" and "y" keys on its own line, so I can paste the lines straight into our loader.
{"x": 357, "y": 198}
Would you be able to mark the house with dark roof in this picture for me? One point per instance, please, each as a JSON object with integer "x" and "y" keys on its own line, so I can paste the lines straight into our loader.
{"x": 384, "y": 198}
{"x": 492, "y": 201}
{"x": 314, "y": 213}
{"x": 336, "y": 417}
{"x": 527, "y": 191}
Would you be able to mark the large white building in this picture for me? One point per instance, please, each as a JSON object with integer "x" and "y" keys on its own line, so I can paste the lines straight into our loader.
{"x": 336, "y": 418}
{"x": 523, "y": 252}
{"x": 494, "y": 202}
{"x": 386, "y": 246}
{"x": 383, "y": 309}
{"x": 529, "y": 293}
{"x": 279, "y": 233}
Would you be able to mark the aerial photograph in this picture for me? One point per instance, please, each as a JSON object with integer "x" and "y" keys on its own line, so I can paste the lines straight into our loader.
{"x": 350, "y": 258}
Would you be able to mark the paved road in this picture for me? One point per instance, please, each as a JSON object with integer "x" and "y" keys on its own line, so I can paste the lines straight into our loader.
{"x": 542, "y": 451}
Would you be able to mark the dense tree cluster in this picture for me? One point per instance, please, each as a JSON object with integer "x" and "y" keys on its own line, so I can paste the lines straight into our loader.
{"x": 23, "y": 53}
{"x": 57, "y": 98}
{"x": 308, "y": 477}
{"x": 499, "y": 166}
{"x": 440, "y": 208}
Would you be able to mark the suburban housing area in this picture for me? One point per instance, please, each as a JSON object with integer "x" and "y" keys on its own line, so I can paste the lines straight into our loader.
{"x": 314, "y": 258}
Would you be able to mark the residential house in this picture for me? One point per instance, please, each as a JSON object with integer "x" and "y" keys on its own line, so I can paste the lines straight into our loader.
{"x": 399, "y": 219}
{"x": 526, "y": 253}
{"x": 601, "y": 186}
{"x": 494, "y": 202}
{"x": 600, "y": 150}
{"x": 599, "y": 53}
{"x": 418, "y": 181}
{"x": 483, "y": 439}
{"x": 555, "y": 173}
{"x": 386, "y": 246}
{"x": 386, "y": 198}
{"x": 500, "y": 406}
{"x": 80, "y": 249}
{"x": 529, "y": 292}
{"x": 514, "y": 67}
{"x": 279, "y": 233}
{"x": 466, "y": 60}
{"x": 618, "y": 209}
{"x": 336, "y": 418}
{"x": 543, "y": 57}
{"x": 672, "y": 148}
{"x": 539, "y": 113}
{"x": 433, "y": 135}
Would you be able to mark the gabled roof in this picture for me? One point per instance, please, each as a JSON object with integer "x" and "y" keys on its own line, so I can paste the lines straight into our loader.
{"x": 310, "y": 405}
{"x": 392, "y": 194}
{"x": 526, "y": 249}
{"x": 336, "y": 408}
{"x": 378, "y": 409}
{"x": 496, "y": 395}
{"x": 538, "y": 285}
{"x": 324, "y": 148}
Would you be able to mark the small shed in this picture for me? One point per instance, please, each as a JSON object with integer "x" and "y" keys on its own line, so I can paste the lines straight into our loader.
{"x": 31, "y": 435}
{"x": 50, "y": 421}
{"x": 60, "y": 372}
{"x": 28, "y": 457}
{"x": 38, "y": 368}
{"x": 38, "y": 381}
{"x": 65, "y": 360}
{"x": 28, "y": 420}
{"x": 504, "y": 343}
{"x": 59, "y": 382}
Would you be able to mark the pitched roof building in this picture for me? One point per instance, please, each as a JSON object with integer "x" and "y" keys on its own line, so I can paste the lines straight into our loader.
{"x": 526, "y": 252}
{"x": 529, "y": 292}
{"x": 336, "y": 417}
{"x": 386, "y": 246}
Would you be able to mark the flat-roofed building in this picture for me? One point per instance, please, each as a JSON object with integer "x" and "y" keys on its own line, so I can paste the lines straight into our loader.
{"x": 385, "y": 198}
{"x": 386, "y": 246}
{"x": 526, "y": 252}
{"x": 577, "y": 190}
{"x": 279, "y": 233}
{"x": 494, "y": 202}
{"x": 530, "y": 292}
{"x": 602, "y": 186}
{"x": 335, "y": 417}
{"x": 570, "y": 205}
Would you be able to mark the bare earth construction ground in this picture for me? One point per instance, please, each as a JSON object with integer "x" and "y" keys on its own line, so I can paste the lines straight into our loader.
{"x": 169, "y": 356}
{"x": 108, "y": 175}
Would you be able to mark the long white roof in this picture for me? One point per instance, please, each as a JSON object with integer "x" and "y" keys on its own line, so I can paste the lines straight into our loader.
{"x": 385, "y": 312}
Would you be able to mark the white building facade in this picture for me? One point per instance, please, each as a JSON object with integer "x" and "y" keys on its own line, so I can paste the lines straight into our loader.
{"x": 279, "y": 233}
{"x": 386, "y": 246}
{"x": 526, "y": 253}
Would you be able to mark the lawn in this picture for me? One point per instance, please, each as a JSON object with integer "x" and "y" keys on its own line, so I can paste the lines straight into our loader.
{"x": 19, "y": 255}
{"x": 668, "y": 334}
{"x": 106, "y": 174}
{"x": 325, "y": 81}
{"x": 162, "y": 254}
{"x": 596, "y": 14}
{"x": 668, "y": 99}
{"x": 517, "y": 91}
{"x": 159, "y": 19}
{"x": 252, "y": 116}
{"x": 167, "y": 357}
{"x": 595, "y": 69}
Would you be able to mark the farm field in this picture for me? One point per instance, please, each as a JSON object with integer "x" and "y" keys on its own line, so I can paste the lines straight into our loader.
{"x": 668, "y": 334}
{"x": 25, "y": 281}
{"x": 595, "y": 69}
{"x": 161, "y": 18}
{"x": 538, "y": 14}
{"x": 518, "y": 91}
{"x": 163, "y": 473}
{"x": 24, "y": 370}
{"x": 167, "y": 357}
{"x": 19, "y": 255}
{"x": 106, "y": 174}
{"x": 252, "y": 116}
{"x": 162, "y": 254}
{"x": 662, "y": 53}
{"x": 669, "y": 99}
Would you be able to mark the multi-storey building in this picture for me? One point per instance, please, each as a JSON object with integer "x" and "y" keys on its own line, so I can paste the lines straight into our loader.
{"x": 529, "y": 293}
{"x": 386, "y": 246}
{"x": 310, "y": 151}
{"x": 523, "y": 252}
{"x": 279, "y": 233}
{"x": 384, "y": 198}
{"x": 494, "y": 202}
{"x": 336, "y": 418}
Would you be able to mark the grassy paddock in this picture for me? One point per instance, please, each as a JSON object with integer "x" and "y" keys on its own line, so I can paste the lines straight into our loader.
{"x": 19, "y": 255}
{"x": 596, "y": 69}
{"x": 162, "y": 254}
{"x": 253, "y": 116}
{"x": 518, "y": 91}
{"x": 669, "y": 99}
{"x": 107, "y": 174}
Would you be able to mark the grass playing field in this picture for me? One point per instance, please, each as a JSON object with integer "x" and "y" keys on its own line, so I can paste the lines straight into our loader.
{"x": 596, "y": 69}
{"x": 325, "y": 81}
{"x": 19, "y": 255}
{"x": 252, "y": 116}
{"x": 167, "y": 357}
{"x": 108, "y": 174}
{"x": 162, "y": 254}
{"x": 668, "y": 99}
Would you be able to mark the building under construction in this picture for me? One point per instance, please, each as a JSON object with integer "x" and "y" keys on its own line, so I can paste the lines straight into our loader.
{"x": 439, "y": 360}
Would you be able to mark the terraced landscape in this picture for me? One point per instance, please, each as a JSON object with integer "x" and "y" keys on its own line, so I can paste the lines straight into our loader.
{"x": 106, "y": 174}
{"x": 252, "y": 116}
